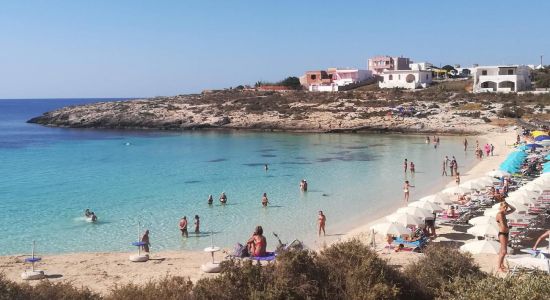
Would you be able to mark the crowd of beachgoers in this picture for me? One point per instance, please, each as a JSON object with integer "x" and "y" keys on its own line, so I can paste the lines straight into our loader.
{"x": 506, "y": 209}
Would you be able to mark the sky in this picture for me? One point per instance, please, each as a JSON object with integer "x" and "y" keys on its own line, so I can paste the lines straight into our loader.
{"x": 96, "y": 48}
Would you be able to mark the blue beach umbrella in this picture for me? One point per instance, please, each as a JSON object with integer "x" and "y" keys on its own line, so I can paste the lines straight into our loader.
{"x": 542, "y": 138}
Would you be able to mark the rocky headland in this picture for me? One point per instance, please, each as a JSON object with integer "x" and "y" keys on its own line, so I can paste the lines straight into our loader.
{"x": 426, "y": 111}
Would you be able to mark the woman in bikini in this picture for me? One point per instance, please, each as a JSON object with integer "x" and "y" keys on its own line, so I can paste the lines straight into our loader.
{"x": 265, "y": 201}
{"x": 257, "y": 244}
{"x": 503, "y": 232}
{"x": 406, "y": 190}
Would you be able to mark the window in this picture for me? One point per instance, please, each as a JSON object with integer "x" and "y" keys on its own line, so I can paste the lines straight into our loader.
{"x": 390, "y": 77}
{"x": 313, "y": 77}
{"x": 483, "y": 72}
{"x": 510, "y": 72}
{"x": 398, "y": 77}
{"x": 410, "y": 78}
{"x": 426, "y": 76}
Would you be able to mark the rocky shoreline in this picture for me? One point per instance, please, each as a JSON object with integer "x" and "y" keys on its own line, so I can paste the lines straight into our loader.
{"x": 271, "y": 111}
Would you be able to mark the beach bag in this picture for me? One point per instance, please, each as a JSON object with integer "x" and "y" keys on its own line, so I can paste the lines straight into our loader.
{"x": 240, "y": 251}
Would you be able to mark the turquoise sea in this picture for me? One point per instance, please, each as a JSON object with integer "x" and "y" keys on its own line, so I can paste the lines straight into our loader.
{"x": 48, "y": 176}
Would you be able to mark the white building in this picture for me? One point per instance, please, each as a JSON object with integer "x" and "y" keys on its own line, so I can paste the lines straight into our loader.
{"x": 407, "y": 79}
{"x": 420, "y": 66}
{"x": 501, "y": 79}
{"x": 333, "y": 78}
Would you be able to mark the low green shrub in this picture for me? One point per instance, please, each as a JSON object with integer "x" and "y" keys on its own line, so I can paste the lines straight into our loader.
{"x": 167, "y": 288}
{"x": 44, "y": 290}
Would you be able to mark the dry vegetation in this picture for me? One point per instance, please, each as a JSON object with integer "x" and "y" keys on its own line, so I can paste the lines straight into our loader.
{"x": 348, "y": 270}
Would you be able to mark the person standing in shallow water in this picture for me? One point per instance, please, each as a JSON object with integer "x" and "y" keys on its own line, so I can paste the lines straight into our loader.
{"x": 412, "y": 168}
{"x": 183, "y": 227}
{"x": 197, "y": 224}
{"x": 210, "y": 200}
{"x": 405, "y": 165}
{"x": 406, "y": 190}
{"x": 321, "y": 219}
{"x": 146, "y": 241}
{"x": 265, "y": 201}
{"x": 465, "y": 144}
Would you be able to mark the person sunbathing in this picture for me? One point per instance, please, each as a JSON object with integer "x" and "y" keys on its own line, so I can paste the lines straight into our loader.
{"x": 257, "y": 243}
{"x": 451, "y": 213}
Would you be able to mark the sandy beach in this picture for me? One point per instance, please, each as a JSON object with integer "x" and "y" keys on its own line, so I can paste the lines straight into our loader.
{"x": 102, "y": 271}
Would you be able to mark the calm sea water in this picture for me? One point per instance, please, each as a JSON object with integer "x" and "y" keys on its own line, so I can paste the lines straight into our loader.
{"x": 48, "y": 176}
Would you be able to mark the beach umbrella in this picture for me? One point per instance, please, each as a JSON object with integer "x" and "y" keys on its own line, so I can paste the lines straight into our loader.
{"x": 534, "y": 186}
{"x": 426, "y": 205}
{"x": 440, "y": 199}
{"x": 498, "y": 173}
{"x": 416, "y": 211}
{"x": 482, "y": 220}
{"x": 543, "y": 143}
{"x": 390, "y": 228}
{"x": 528, "y": 261}
{"x": 489, "y": 229}
{"x": 404, "y": 219}
{"x": 520, "y": 208}
{"x": 542, "y": 137}
{"x": 523, "y": 193}
{"x": 484, "y": 181}
{"x": 483, "y": 246}
{"x": 456, "y": 190}
{"x": 472, "y": 185}
{"x": 521, "y": 200}
{"x": 537, "y": 133}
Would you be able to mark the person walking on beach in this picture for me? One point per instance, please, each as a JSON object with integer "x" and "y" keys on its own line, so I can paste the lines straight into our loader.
{"x": 492, "y": 149}
{"x": 183, "y": 227}
{"x": 457, "y": 178}
{"x": 406, "y": 190}
{"x": 197, "y": 224}
{"x": 265, "y": 201}
{"x": 503, "y": 232}
{"x": 321, "y": 220}
{"x": 465, "y": 144}
{"x": 145, "y": 240}
{"x": 405, "y": 165}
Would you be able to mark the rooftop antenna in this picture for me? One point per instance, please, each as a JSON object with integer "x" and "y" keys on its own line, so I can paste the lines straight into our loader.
{"x": 541, "y": 61}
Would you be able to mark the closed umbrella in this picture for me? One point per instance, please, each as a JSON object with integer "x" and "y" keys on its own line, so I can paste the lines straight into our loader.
{"x": 483, "y": 246}
{"x": 441, "y": 199}
{"x": 404, "y": 219}
{"x": 482, "y": 220}
{"x": 390, "y": 228}
{"x": 426, "y": 205}
{"x": 416, "y": 211}
{"x": 490, "y": 229}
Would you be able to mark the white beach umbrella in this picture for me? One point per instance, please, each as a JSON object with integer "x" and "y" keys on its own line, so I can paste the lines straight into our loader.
{"x": 489, "y": 229}
{"x": 520, "y": 208}
{"x": 484, "y": 246}
{"x": 441, "y": 199}
{"x": 404, "y": 219}
{"x": 426, "y": 205}
{"x": 543, "y": 143}
{"x": 483, "y": 220}
{"x": 390, "y": 228}
{"x": 527, "y": 261}
{"x": 524, "y": 194}
{"x": 416, "y": 211}
{"x": 534, "y": 186}
{"x": 521, "y": 200}
{"x": 542, "y": 179}
{"x": 485, "y": 181}
{"x": 472, "y": 185}
{"x": 456, "y": 190}
{"x": 498, "y": 173}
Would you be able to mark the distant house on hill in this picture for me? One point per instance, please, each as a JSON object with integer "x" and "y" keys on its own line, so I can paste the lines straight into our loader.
{"x": 332, "y": 78}
{"x": 501, "y": 79}
{"x": 406, "y": 79}
{"x": 378, "y": 64}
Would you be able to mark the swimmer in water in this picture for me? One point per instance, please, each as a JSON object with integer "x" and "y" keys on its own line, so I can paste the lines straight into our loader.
{"x": 210, "y": 200}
